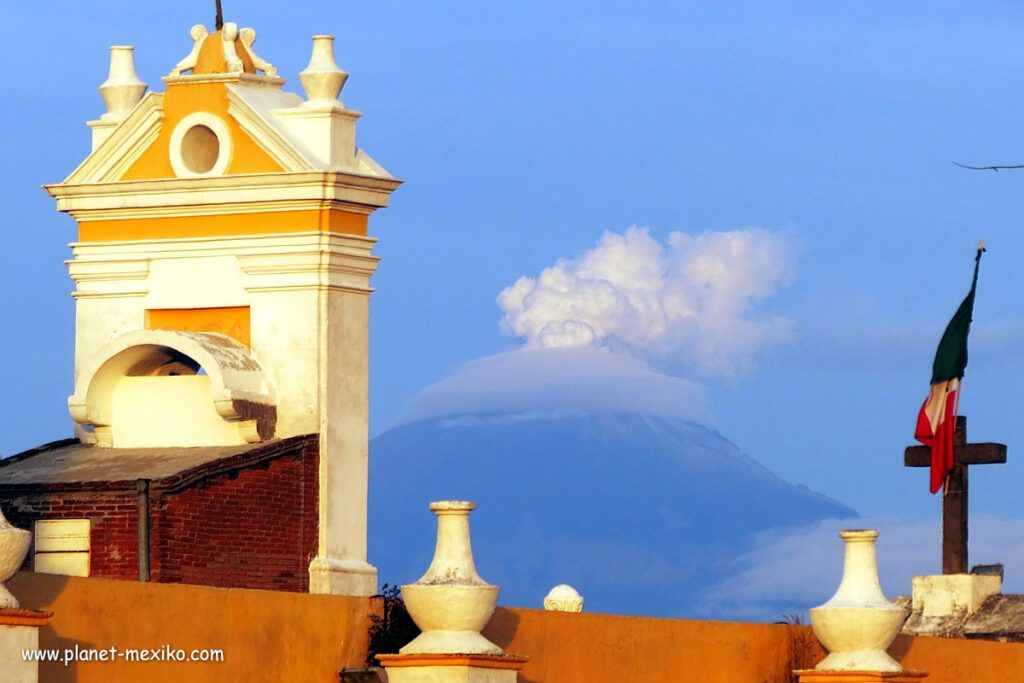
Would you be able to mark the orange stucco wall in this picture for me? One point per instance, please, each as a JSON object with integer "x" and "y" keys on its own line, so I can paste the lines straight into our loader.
{"x": 233, "y": 321}
{"x": 265, "y": 635}
{"x": 285, "y": 637}
{"x": 601, "y": 648}
{"x": 951, "y": 660}
{"x": 598, "y": 648}
{"x": 264, "y": 222}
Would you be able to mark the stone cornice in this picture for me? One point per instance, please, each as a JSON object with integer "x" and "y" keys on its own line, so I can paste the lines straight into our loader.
{"x": 281, "y": 262}
{"x": 241, "y": 78}
{"x": 473, "y": 661}
{"x": 223, "y": 194}
{"x": 12, "y": 616}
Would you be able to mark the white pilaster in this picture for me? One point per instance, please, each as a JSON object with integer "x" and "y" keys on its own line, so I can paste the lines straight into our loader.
{"x": 19, "y": 632}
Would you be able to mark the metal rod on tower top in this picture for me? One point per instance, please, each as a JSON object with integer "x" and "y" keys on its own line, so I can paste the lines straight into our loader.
{"x": 219, "y": 21}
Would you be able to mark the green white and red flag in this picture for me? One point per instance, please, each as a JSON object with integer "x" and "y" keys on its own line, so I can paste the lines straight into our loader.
{"x": 937, "y": 420}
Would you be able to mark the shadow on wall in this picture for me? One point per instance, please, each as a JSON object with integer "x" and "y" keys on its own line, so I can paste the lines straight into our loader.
{"x": 901, "y": 647}
{"x": 42, "y": 599}
{"x": 501, "y": 630}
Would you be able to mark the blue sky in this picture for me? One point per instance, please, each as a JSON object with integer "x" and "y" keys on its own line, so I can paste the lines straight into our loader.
{"x": 526, "y": 130}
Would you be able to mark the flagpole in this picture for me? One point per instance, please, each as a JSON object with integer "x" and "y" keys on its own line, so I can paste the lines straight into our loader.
{"x": 960, "y": 381}
{"x": 974, "y": 285}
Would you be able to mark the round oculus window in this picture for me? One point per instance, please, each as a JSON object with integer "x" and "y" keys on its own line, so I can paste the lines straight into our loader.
{"x": 200, "y": 146}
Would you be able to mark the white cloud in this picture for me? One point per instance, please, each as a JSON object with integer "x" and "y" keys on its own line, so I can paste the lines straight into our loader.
{"x": 688, "y": 302}
{"x": 555, "y": 381}
{"x": 792, "y": 570}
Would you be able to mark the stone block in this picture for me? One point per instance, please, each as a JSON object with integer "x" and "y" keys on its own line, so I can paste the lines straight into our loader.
{"x": 946, "y": 595}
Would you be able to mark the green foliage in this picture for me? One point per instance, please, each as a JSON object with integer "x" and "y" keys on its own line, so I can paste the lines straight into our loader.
{"x": 393, "y": 628}
{"x": 803, "y": 650}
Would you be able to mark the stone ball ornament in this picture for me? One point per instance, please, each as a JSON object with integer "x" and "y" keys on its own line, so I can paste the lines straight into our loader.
{"x": 563, "y": 598}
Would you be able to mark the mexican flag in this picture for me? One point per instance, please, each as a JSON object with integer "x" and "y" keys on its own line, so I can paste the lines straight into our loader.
{"x": 937, "y": 419}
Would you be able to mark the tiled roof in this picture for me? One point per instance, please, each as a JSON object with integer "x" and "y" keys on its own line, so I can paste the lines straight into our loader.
{"x": 74, "y": 465}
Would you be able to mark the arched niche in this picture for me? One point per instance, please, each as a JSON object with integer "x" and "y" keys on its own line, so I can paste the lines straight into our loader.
{"x": 161, "y": 388}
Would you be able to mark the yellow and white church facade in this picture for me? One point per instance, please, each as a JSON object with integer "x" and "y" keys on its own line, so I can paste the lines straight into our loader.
{"x": 222, "y": 270}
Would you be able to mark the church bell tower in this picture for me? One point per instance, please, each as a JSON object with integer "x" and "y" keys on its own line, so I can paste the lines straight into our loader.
{"x": 222, "y": 269}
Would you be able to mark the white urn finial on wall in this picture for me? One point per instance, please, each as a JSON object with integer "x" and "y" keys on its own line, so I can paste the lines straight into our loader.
{"x": 451, "y": 603}
{"x": 14, "y": 543}
{"x": 122, "y": 90}
{"x": 858, "y": 624}
{"x": 323, "y": 79}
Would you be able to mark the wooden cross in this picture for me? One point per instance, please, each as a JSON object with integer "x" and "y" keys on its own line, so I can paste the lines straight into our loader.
{"x": 954, "y": 499}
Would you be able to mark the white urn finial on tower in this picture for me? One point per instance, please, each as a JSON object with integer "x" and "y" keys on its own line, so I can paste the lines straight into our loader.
{"x": 451, "y": 603}
{"x": 322, "y": 122}
{"x": 323, "y": 79}
{"x": 123, "y": 89}
{"x": 858, "y": 624}
{"x": 14, "y": 543}
{"x": 121, "y": 92}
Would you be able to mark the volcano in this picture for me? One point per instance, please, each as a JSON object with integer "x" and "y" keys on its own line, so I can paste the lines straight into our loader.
{"x": 639, "y": 513}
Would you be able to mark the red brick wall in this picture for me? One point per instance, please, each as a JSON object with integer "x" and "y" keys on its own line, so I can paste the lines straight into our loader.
{"x": 254, "y": 528}
{"x": 114, "y": 525}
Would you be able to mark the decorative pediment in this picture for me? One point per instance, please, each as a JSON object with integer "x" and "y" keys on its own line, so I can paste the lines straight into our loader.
{"x": 109, "y": 161}
{"x": 221, "y": 117}
{"x": 296, "y": 138}
{"x": 253, "y": 109}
